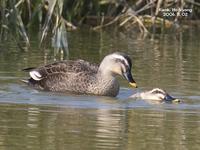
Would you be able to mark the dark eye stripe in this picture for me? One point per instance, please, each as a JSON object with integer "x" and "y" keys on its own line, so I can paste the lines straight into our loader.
{"x": 125, "y": 57}
{"x": 123, "y": 62}
{"x": 158, "y": 92}
{"x": 129, "y": 60}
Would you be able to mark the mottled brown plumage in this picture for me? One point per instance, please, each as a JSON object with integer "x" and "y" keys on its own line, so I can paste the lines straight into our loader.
{"x": 81, "y": 77}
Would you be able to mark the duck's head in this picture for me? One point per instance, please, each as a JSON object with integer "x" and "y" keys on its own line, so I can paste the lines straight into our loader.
{"x": 158, "y": 95}
{"x": 118, "y": 64}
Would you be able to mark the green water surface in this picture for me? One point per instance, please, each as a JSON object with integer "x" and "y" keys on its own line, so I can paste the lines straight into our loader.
{"x": 36, "y": 120}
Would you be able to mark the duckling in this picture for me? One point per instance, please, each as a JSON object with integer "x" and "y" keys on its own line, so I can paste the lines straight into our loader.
{"x": 82, "y": 77}
{"x": 156, "y": 94}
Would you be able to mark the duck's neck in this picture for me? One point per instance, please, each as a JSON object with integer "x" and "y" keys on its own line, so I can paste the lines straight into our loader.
{"x": 105, "y": 73}
{"x": 105, "y": 68}
{"x": 106, "y": 84}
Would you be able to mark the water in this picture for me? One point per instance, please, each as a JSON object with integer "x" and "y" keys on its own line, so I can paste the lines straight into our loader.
{"x": 31, "y": 119}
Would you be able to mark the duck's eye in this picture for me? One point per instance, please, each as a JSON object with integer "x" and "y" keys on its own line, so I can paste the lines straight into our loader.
{"x": 123, "y": 63}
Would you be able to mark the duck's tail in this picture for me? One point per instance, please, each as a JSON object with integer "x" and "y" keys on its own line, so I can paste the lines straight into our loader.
{"x": 28, "y": 69}
{"x": 25, "y": 81}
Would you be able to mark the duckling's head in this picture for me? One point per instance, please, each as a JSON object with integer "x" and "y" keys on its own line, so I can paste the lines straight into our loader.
{"x": 118, "y": 64}
{"x": 158, "y": 95}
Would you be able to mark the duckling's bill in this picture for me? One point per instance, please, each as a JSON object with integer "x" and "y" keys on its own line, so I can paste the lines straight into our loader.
{"x": 176, "y": 101}
{"x": 169, "y": 98}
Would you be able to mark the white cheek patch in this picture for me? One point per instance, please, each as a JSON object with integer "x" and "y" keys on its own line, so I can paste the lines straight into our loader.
{"x": 161, "y": 96}
{"x": 117, "y": 70}
{"x": 35, "y": 75}
{"x": 123, "y": 68}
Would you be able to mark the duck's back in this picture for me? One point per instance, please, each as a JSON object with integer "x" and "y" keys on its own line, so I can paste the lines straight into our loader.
{"x": 72, "y": 76}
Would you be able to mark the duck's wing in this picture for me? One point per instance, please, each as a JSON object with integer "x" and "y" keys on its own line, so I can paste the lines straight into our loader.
{"x": 60, "y": 73}
{"x": 61, "y": 68}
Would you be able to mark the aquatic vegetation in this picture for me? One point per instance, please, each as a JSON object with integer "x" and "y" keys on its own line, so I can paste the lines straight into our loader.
{"x": 54, "y": 18}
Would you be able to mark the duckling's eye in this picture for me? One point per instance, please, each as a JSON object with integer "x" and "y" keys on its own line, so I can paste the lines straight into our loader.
{"x": 157, "y": 92}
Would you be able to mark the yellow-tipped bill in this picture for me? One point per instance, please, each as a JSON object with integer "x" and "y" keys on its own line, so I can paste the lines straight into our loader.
{"x": 133, "y": 84}
{"x": 128, "y": 76}
{"x": 176, "y": 101}
{"x": 169, "y": 98}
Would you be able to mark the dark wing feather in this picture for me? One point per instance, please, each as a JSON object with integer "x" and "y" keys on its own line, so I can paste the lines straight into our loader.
{"x": 28, "y": 69}
{"x": 68, "y": 67}
{"x": 58, "y": 72}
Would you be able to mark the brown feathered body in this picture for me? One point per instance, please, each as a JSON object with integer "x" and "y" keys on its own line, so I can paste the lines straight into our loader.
{"x": 79, "y": 76}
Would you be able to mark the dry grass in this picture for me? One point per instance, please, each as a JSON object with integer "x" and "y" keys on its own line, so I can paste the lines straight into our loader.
{"x": 54, "y": 18}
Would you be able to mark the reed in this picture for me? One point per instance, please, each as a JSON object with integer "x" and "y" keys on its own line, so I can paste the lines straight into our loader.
{"x": 55, "y": 17}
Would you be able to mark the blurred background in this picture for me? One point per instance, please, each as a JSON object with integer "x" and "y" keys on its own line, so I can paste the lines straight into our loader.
{"x": 162, "y": 39}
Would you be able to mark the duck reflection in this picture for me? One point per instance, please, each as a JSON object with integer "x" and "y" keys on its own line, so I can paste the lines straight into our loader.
{"x": 110, "y": 130}
{"x": 56, "y": 127}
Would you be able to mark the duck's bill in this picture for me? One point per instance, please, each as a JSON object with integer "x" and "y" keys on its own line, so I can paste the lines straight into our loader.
{"x": 128, "y": 76}
{"x": 171, "y": 99}
{"x": 133, "y": 84}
